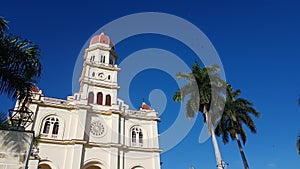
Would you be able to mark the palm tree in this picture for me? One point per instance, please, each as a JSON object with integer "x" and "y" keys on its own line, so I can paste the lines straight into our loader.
{"x": 20, "y": 66}
{"x": 204, "y": 89}
{"x": 237, "y": 113}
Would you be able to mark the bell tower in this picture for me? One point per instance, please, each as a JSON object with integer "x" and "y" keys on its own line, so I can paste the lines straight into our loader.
{"x": 98, "y": 81}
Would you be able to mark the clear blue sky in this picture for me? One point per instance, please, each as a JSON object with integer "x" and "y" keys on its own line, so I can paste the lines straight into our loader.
{"x": 258, "y": 43}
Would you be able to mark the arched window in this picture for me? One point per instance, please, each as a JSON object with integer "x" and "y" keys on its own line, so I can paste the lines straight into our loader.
{"x": 141, "y": 137}
{"x": 93, "y": 74}
{"x": 108, "y": 77}
{"x": 102, "y": 59}
{"x": 50, "y": 127}
{"x": 108, "y": 100}
{"x": 92, "y": 58}
{"x": 46, "y": 127}
{"x": 136, "y": 137}
{"x": 133, "y": 136}
{"x": 99, "y": 98}
{"x": 55, "y": 128}
{"x": 111, "y": 61}
{"x": 91, "y": 97}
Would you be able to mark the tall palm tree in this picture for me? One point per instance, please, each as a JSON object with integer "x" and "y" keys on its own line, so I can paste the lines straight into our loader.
{"x": 204, "y": 89}
{"x": 237, "y": 113}
{"x": 20, "y": 65}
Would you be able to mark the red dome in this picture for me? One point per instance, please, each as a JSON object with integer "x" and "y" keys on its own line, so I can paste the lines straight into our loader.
{"x": 34, "y": 88}
{"x": 145, "y": 106}
{"x": 102, "y": 38}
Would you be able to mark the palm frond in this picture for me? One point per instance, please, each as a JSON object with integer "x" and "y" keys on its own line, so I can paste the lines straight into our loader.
{"x": 19, "y": 65}
{"x": 237, "y": 112}
{"x": 3, "y": 25}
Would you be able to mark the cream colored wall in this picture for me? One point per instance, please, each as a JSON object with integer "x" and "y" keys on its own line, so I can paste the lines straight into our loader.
{"x": 149, "y": 132}
{"x": 61, "y": 156}
{"x": 97, "y": 154}
{"x": 148, "y": 160}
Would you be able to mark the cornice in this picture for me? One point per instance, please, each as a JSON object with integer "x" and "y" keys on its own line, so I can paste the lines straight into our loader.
{"x": 100, "y": 84}
{"x": 103, "y": 145}
{"x": 102, "y": 66}
{"x": 55, "y": 105}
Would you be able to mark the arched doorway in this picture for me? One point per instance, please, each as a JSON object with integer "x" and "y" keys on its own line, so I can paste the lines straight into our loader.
{"x": 93, "y": 167}
{"x": 138, "y": 167}
{"x": 44, "y": 166}
{"x": 93, "y": 164}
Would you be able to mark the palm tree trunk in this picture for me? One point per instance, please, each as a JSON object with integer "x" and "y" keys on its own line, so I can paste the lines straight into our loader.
{"x": 214, "y": 140}
{"x": 246, "y": 166}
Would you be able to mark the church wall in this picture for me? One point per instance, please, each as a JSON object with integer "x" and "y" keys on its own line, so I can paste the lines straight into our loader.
{"x": 147, "y": 160}
{"x": 147, "y": 128}
{"x": 97, "y": 154}
{"x": 62, "y": 114}
{"x": 105, "y": 120}
{"x": 62, "y": 156}
{"x": 82, "y": 115}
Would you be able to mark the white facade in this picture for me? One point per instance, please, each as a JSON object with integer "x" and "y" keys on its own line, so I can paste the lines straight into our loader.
{"x": 94, "y": 129}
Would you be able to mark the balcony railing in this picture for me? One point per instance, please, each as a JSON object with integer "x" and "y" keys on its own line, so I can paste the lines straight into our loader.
{"x": 133, "y": 144}
{"x": 55, "y": 101}
{"x": 101, "y": 63}
{"x": 135, "y": 113}
{"x": 43, "y": 135}
{"x": 140, "y": 113}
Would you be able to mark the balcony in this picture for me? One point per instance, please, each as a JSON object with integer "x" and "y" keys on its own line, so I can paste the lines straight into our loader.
{"x": 55, "y": 101}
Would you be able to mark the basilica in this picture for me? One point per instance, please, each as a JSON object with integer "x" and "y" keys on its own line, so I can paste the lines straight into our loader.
{"x": 93, "y": 128}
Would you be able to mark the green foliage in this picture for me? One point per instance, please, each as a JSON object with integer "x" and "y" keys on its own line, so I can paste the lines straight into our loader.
{"x": 238, "y": 112}
{"x": 20, "y": 66}
{"x": 204, "y": 85}
{"x": 205, "y": 91}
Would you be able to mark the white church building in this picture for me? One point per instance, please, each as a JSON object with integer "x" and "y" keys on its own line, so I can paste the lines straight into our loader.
{"x": 94, "y": 129}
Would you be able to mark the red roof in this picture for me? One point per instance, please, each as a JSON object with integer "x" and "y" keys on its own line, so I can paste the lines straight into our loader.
{"x": 145, "y": 106}
{"x": 102, "y": 38}
{"x": 34, "y": 88}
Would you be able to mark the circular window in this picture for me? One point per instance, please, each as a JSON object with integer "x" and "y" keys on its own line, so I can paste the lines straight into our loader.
{"x": 101, "y": 76}
{"x": 97, "y": 128}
